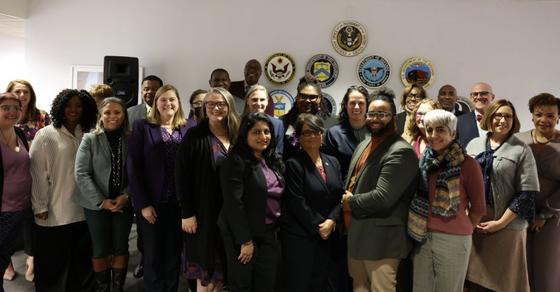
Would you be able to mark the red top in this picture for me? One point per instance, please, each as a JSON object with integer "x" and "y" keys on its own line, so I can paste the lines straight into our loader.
{"x": 472, "y": 191}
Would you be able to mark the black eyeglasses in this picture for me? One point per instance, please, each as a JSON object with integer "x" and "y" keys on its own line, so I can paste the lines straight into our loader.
{"x": 309, "y": 133}
{"x": 380, "y": 115}
{"x": 308, "y": 97}
{"x": 479, "y": 93}
{"x": 220, "y": 105}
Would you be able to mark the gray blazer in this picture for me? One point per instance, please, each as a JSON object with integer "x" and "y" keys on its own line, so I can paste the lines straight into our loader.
{"x": 136, "y": 112}
{"x": 382, "y": 194}
{"x": 513, "y": 170}
{"x": 93, "y": 169}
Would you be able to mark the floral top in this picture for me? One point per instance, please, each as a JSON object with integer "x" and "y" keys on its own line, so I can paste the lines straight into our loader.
{"x": 31, "y": 127}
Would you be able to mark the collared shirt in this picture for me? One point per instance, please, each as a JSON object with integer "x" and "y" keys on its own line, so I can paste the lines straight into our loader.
{"x": 481, "y": 132}
{"x": 52, "y": 154}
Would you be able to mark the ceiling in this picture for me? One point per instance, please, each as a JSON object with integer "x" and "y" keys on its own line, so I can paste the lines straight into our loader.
{"x": 12, "y": 26}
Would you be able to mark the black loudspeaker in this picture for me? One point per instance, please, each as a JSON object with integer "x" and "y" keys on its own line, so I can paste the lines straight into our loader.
{"x": 121, "y": 73}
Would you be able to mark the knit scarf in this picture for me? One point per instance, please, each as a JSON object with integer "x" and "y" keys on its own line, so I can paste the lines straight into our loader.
{"x": 447, "y": 195}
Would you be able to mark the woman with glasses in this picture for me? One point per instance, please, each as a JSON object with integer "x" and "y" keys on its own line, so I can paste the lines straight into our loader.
{"x": 15, "y": 178}
{"x": 199, "y": 160}
{"x": 310, "y": 211}
{"x": 309, "y": 101}
{"x": 544, "y": 233}
{"x": 498, "y": 258}
{"x": 151, "y": 163}
{"x": 417, "y": 128}
{"x": 32, "y": 120}
{"x": 256, "y": 100}
{"x": 411, "y": 96}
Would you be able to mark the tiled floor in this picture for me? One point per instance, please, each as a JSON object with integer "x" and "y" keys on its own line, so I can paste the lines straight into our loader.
{"x": 19, "y": 284}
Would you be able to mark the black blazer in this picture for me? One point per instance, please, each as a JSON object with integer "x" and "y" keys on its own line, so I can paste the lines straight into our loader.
{"x": 401, "y": 120}
{"x": 245, "y": 194}
{"x": 308, "y": 200}
{"x": 20, "y": 135}
{"x": 466, "y": 128}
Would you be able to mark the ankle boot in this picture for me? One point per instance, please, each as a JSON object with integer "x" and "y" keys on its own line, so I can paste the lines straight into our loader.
{"x": 103, "y": 281}
{"x": 119, "y": 277}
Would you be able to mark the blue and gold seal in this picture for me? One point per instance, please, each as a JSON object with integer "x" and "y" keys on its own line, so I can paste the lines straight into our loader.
{"x": 283, "y": 101}
{"x": 324, "y": 68}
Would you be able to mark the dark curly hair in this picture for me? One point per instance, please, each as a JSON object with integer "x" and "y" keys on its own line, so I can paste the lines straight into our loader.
{"x": 89, "y": 109}
{"x": 343, "y": 114}
{"x": 308, "y": 80}
{"x": 242, "y": 149}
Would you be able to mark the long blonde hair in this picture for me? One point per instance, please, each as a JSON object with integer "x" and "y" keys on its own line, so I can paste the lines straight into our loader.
{"x": 232, "y": 121}
{"x": 153, "y": 116}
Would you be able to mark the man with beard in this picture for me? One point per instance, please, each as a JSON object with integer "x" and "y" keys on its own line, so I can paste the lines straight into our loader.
{"x": 468, "y": 126}
{"x": 150, "y": 84}
{"x": 382, "y": 178}
{"x": 447, "y": 97}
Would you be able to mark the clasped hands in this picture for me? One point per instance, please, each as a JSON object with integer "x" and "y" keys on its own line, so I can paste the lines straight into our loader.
{"x": 345, "y": 205}
{"x": 115, "y": 205}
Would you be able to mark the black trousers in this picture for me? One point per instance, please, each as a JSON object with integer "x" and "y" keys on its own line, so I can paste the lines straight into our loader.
{"x": 259, "y": 274}
{"x": 162, "y": 248}
{"x": 63, "y": 258}
{"x": 10, "y": 224}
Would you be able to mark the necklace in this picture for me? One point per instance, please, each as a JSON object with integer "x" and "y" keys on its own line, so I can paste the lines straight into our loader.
{"x": 536, "y": 138}
{"x": 9, "y": 140}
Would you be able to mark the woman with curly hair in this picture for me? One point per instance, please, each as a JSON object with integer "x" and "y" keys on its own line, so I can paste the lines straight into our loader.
{"x": 31, "y": 120}
{"x": 62, "y": 241}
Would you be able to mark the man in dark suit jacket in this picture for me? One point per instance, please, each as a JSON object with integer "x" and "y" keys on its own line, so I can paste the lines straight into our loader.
{"x": 150, "y": 85}
{"x": 252, "y": 73}
{"x": 382, "y": 178}
{"x": 468, "y": 126}
{"x": 447, "y": 97}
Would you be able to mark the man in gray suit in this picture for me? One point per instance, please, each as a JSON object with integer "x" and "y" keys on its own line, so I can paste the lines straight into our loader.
{"x": 150, "y": 85}
{"x": 381, "y": 181}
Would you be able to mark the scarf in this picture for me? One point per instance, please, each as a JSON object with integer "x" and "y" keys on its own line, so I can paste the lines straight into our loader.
{"x": 486, "y": 160}
{"x": 447, "y": 195}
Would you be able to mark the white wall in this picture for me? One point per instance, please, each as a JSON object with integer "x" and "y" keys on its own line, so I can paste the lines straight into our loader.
{"x": 12, "y": 59}
{"x": 512, "y": 44}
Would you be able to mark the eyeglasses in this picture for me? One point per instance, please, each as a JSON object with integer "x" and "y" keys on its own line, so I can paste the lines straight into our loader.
{"x": 380, "y": 115}
{"x": 309, "y": 133}
{"x": 479, "y": 93}
{"x": 308, "y": 97}
{"x": 415, "y": 95}
{"x": 220, "y": 105}
{"x": 10, "y": 107}
{"x": 500, "y": 116}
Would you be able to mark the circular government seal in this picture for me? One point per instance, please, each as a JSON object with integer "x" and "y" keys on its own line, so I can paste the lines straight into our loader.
{"x": 417, "y": 70}
{"x": 374, "y": 71}
{"x": 349, "y": 38}
{"x": 283, "y": 101}
{"x": 280, "y": 68}
{"x": 331, "y": 103}
{"x": 324, "y": 68}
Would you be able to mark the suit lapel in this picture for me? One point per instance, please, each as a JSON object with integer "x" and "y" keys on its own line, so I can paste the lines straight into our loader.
{"x": 357, "y": 153}
{"x": 375, "y": 156}
{"x": 104, "y": 144}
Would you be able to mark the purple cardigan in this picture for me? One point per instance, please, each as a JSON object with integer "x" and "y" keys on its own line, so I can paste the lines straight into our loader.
{"x": 146, "y": 163}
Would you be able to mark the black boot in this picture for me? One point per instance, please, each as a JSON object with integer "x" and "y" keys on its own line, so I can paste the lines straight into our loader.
{"x": 103, "y": 281}
{"x": 119, "y": 276}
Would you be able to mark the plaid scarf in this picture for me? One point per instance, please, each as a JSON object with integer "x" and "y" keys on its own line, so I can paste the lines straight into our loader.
{"x": 447, "y": 195}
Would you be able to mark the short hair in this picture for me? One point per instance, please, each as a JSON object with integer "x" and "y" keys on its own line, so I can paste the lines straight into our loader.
{"x": 89, "y": 109}
{"x": 407, "y": 91}
{"x": 154, "y": 116}
{"x": 196, "y": 93}
{"x": 343, "y": 115}
{"x": 232, "y": 120}
{"x": 441, "y": 117}
{"x": 314, "y": 122}
{"x": 153, "y": 78}
{"x": 101, "y": 90}
{"x": 33, "y": 113}
{"x": 8, "y": 95}
{"x": 412, "y": 127}
{"x": 385, "y": 94}
{"x": 543, "y": 99}
{"x": 242, "y": 148}
{"x": 100, "y": 128}
{"x": 486, "y": 122}
{"x": 219, "y": 70}
{"x": 250, "y": 91}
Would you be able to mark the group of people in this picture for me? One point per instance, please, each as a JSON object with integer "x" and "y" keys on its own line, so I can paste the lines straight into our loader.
{"x": 435, "y": 198}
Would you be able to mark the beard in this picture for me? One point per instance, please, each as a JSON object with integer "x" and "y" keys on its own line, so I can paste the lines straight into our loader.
{"x": 389, "y": 127}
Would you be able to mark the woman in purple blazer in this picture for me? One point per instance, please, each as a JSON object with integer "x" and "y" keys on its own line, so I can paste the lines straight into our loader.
{"x": 151, "y": 164}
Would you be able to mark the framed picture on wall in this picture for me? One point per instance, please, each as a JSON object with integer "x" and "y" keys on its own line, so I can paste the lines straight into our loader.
{"x": 84, "y": 76}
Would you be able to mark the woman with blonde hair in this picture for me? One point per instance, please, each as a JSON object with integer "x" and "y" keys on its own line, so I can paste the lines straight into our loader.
{"x": 151, "y": 174}
{"x": 206, "y": 146}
